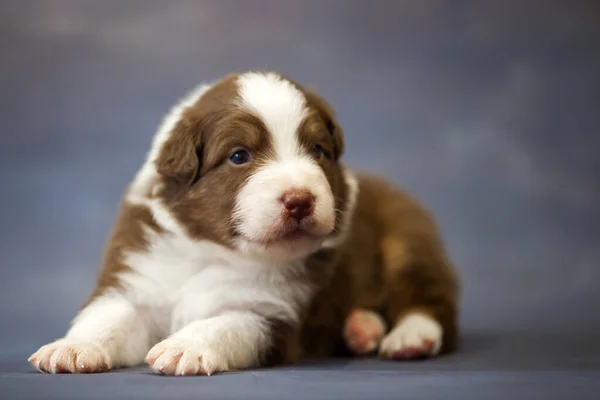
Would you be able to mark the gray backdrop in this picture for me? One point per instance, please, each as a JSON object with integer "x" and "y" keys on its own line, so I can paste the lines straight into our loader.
{"x": 489, "y": 111}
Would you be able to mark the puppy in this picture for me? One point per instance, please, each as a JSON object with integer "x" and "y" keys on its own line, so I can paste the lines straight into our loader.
{"x": 243, "y": 242}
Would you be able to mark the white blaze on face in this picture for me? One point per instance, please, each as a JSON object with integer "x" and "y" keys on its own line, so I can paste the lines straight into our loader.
{"x": 282, "y": 108}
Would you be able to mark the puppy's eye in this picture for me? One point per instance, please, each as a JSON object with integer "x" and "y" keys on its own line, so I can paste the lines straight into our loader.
{"x": 240, "y": 157}
{"x": 318, "y": 152}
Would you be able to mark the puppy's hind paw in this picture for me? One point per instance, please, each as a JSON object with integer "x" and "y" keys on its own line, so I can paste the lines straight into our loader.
{"x": 363, "y": 331}
{"x": 417, "y": 336}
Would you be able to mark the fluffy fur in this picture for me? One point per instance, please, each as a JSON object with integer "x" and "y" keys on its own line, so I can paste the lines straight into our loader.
{"x": 208, "y": 270}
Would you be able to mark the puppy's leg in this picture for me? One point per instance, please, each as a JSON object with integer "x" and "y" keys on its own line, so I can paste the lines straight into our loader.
{"x": 422, "y": 296}
{"x": 231, "y": 341}
{"x": 107, "y": 333}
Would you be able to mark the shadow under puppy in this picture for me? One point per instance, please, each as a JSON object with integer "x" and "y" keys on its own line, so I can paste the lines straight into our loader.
{"x": 243, "y": 241}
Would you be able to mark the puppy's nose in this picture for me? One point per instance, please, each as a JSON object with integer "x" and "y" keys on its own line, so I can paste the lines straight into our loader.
{"x": 299, "y": 203}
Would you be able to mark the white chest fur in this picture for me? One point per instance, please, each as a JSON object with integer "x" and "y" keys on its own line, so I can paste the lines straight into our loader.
{"x": 178, "y": 280}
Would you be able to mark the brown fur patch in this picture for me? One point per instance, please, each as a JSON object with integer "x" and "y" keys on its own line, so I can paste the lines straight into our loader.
{"x": 128, "y": 234}
{"x": 393, "y": 263}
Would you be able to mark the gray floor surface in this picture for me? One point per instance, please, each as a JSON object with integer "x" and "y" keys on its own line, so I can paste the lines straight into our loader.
{"x": 508, "y": 365}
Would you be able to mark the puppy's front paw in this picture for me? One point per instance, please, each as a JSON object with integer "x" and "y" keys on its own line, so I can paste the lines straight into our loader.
{"x": 70, "y": 356}
{"x": 363, "y": 331}
{"x": 416, "y": 336}
{"x": 176, "y": 356}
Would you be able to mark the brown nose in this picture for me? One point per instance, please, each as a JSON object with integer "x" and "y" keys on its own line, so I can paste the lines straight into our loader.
{"x": 299, "y": 203}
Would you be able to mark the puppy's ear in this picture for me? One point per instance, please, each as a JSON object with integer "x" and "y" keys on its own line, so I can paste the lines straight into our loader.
{"x": 327, "y": 113}
{"x": 179, "y": 159}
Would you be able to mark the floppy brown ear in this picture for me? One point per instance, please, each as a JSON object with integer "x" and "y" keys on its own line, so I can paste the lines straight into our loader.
{"x": 327, "y": 113}
{"x": 179, "y": 158}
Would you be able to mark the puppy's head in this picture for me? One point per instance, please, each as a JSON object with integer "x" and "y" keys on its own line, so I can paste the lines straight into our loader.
{"x": 253, "y": 164}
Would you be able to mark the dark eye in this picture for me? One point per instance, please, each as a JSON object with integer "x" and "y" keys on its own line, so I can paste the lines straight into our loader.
{"x": 240, "y": 157}
{"x": 318, "y": 152}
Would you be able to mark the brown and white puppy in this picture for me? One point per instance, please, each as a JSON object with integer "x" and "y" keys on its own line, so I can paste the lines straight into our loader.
{"x": 243, "y": 241}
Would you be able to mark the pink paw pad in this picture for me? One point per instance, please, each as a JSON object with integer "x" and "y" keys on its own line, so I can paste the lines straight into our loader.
{"x": 363, "y": 331}
{"x": 414, "y": 352}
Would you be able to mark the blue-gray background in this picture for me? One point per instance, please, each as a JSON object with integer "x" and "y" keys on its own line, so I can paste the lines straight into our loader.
{"x": 488, "y": 110}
